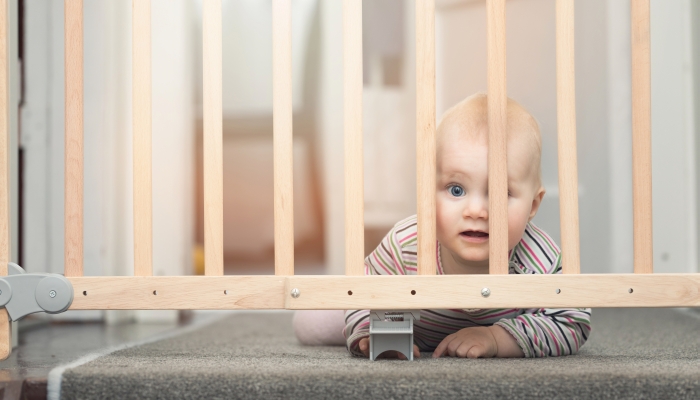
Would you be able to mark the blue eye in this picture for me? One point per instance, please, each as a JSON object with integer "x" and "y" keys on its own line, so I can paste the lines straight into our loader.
{"x": 456, "y": 191}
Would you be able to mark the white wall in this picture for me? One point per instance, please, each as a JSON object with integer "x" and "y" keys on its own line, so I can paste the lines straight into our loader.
{"x": 247, "y": 55}
{"x": 330, "y": 124}
{"x": 674, "y": 171}
{"x": 673, "y": 137}
{"x": 388, "y": 121}
{"x": 108, "y": 210}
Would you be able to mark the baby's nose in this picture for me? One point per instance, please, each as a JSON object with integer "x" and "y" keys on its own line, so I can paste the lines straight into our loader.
{"x": 476, "y": 208}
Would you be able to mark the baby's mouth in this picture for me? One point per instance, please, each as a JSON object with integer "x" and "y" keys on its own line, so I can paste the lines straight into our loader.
{"x": 475, "y": 234}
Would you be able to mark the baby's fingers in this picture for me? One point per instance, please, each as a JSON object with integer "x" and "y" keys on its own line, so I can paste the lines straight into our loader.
{"x": 476, "y": 352}
{"x": 364, "y": 346}
{"x": 416, "y": 353}
{"x": 442, "y": 347}
{"x": 440, "y": 350}
{"x": 468, "y": 350}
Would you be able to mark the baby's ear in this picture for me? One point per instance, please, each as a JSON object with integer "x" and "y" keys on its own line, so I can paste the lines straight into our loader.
{"x": 536, "y": 201}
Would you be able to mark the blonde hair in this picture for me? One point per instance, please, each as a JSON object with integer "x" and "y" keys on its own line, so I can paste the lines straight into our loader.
{"x": 470, "y": 119}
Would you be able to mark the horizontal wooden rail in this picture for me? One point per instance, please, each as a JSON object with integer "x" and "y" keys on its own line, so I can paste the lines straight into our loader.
{"x": 178, "y": 292}
{"x": 385, "y": 292}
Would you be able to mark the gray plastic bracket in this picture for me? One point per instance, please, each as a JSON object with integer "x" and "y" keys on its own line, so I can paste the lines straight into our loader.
{"x": 22, "y": 294}
{"x": 391, "y": 330}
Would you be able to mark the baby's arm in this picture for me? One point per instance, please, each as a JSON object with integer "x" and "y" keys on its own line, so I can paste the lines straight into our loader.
{"x": 508, "y": 347}
{"x": 536, "y": 333}
{"x": 546, "y": 332}
{"x": 356, "y": 329}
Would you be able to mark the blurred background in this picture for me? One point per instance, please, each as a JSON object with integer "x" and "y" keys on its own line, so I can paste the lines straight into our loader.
{"x": 603, "y": 68}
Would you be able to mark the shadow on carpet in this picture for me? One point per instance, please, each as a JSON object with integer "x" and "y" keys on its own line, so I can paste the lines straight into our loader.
{"x": 632, "y": 353}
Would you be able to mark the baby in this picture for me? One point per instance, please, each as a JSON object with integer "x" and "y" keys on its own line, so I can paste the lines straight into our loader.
{"x": 463, "y": 246}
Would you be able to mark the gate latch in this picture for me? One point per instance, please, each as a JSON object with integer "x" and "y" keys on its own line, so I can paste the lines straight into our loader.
{"x": 22, "y": 294}
{"x": 391, "y": 330}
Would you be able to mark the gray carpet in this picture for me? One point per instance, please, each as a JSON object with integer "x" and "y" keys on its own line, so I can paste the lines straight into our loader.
{"x": 632, "y": 353}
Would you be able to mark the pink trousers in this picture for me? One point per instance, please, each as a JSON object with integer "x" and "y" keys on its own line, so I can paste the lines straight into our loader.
{"x": 319, "y": 327}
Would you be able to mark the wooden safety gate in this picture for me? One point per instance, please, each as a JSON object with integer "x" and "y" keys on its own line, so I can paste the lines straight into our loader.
{"x": 284, "y": 290}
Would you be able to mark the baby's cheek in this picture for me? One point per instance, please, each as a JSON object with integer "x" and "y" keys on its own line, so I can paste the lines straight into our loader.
{"x": 516, "y": 228}
{"x": 440, "y": 222}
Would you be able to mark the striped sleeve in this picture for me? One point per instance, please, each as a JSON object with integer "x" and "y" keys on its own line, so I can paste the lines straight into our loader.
{"x": 386, "y": 259}
{"x": 544, "y": 332}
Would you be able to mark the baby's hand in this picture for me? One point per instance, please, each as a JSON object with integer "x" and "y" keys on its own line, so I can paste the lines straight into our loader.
{"x": 472, "y": 342}
{"x": 364, "y": 348}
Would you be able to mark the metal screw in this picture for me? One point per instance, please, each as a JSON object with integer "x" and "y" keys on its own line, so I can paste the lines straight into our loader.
{"x": 52, "y": 294}
{"x": 485, "y": 292}
{"x": 295, "y": 293}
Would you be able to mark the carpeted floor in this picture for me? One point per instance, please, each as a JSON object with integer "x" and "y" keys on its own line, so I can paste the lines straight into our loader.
{"x": 632, "y": 353}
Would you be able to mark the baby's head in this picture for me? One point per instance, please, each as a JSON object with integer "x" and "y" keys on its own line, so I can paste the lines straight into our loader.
{"x": 462, "y": 179}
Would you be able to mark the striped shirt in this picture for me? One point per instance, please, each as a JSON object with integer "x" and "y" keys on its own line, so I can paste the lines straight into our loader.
{"x": 540, "y": 332}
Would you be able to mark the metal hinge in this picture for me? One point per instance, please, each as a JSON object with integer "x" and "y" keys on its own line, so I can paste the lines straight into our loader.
{"x": 391, "y": 330}
{"x": 22, "y": 294}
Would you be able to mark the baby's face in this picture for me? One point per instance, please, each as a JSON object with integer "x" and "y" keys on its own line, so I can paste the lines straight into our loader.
{"x": 462, "y": 198}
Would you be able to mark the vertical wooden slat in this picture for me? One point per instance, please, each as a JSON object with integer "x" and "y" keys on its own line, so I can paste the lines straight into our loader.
{"x": 497, "y": 167}
{"x": 354, "y": 164}
{"x": 5, "y": 246}
{"x": 425, "y": 135}
{"x": 641, "y": 137}
{"x": 282, "y": 141}
{"x": 143, "y": 215}
{"x": 212, "y": 141}
{"x": 566, "y": 118}
{"x": 74, "y": 138}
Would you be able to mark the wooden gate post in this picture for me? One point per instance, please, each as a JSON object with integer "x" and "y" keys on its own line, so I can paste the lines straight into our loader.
{"x": 5, "y": 333}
